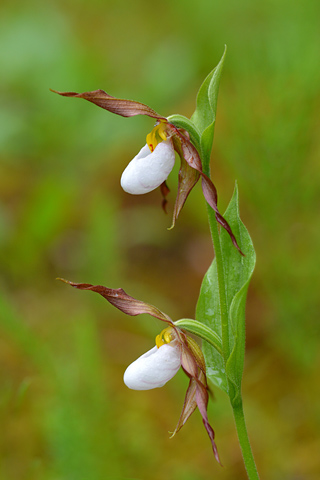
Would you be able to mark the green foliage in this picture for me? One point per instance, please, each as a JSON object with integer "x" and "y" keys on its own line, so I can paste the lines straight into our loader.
{"x": 202, "y": 331}
{"x": 183, "y": 122}
{"x": 237, "y": 274}
{"x": 201, "y": 125}
{"x": 204, "y": 116}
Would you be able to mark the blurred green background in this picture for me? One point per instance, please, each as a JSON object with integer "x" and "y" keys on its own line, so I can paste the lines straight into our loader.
{"x": 65, "y": 412}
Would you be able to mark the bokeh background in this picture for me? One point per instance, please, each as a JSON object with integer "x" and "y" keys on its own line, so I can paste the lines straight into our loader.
{"x": 65, "y": 412}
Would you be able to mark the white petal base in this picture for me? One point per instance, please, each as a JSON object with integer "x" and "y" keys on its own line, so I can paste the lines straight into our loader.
{"x": 154, "y": 368}
{"x": 147, "y": 170}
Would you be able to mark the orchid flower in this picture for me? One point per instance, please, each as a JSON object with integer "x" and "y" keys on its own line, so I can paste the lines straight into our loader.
{"x": 150, "y": 168}
{"x": 174, "y": 349}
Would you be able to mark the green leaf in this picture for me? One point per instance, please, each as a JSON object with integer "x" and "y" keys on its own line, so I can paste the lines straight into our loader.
{"x": 180, "y": 121}
{"x": 202, "y": 331}
{"x": 237, "y": 274}
{"x": 208, "y": 313}
{"x": 204, "y": 116}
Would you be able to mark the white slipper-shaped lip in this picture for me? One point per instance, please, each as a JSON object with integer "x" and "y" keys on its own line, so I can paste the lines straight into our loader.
{"x": 148, "y": 170}
{"x": 154, "y": 368}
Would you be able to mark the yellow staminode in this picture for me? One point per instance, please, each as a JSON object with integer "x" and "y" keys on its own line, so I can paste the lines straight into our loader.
{"x": 157, "y": 135}
{"x": 164, "y": 337}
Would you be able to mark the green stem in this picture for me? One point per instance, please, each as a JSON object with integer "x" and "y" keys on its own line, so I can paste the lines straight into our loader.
{"x": 244, "y": 442}
{"x": 237, "y": 408}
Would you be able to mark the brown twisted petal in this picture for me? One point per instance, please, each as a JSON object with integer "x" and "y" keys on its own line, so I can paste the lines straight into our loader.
{"x": 189, "y": 405}
{"x": 188, "y": 177}
{"x": 197, "y": 394}
{"x": 202, "y": 398}
{"x": 196, "y": 353}
{"x": 119, "y": 106}
{"x": 189, "y": 366}
{"x": 121, "y": 300}
{"x": 192, "y": 157}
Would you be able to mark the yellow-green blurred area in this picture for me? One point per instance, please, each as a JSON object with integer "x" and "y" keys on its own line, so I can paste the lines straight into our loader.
{"x": 65, "y": 412}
